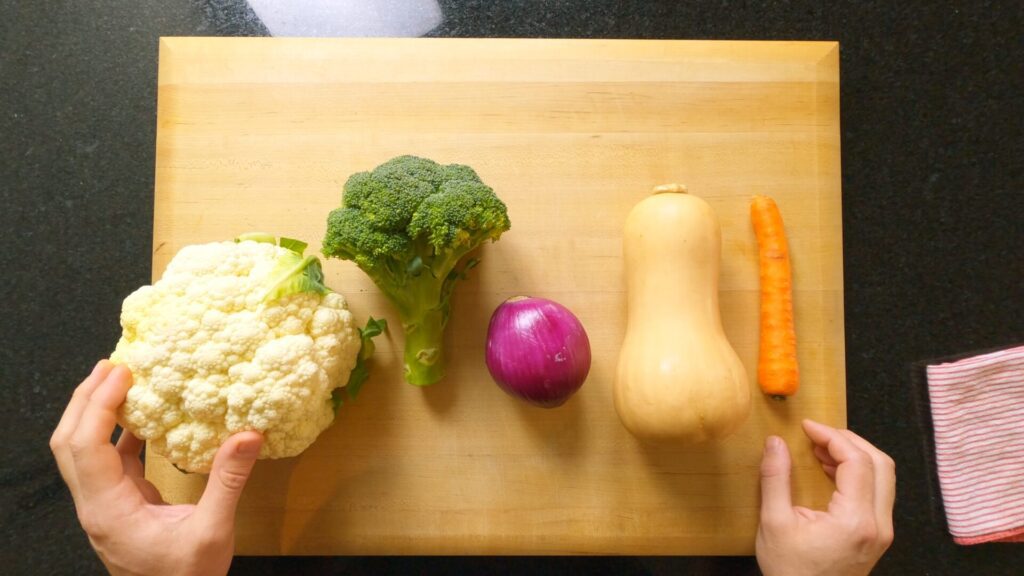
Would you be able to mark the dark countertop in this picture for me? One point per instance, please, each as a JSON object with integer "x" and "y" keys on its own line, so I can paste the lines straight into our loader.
{"x": 932, "y": 147}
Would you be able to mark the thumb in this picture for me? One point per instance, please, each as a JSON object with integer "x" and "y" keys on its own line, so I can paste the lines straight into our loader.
{"x": 231, "y": 468}
{"x": 776, "y": 501}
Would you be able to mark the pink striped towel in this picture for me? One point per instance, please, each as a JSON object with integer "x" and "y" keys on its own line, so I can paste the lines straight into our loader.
{"x": 978, "y": 415}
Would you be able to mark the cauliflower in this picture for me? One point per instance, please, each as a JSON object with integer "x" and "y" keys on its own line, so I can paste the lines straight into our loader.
{"x": 236, "y": 336}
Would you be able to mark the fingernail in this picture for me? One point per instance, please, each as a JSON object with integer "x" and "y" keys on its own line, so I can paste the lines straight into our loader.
{"x": 120, "y": 372}
{"x": 248, "y": 449}
{"x": 772, "y": 444}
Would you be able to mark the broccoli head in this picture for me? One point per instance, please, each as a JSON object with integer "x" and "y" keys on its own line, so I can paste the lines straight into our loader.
{"x": 409, "y": 224}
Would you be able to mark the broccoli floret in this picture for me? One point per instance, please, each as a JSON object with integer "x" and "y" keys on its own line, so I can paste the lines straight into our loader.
{"x": 409, "y": 224}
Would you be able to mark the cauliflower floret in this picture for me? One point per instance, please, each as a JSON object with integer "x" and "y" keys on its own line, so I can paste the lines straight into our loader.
{"x": 217, "y": 346}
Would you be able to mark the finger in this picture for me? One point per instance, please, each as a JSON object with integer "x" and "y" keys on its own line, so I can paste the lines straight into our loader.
{"x": 129, "y": 447}
{"x": 100, "y": 414}
{"x": 854, "y": 476}
{"x": 821, "y": 453}
{"x": 885, "y": 480}
{"x": 807, "y": 512}
{"x": 231, "y": 468}
{"x": 97, "y": 463}
{"x": 79, "y": 399}
{"x": 776, "y": 500}
{"x": 69, "y": 421}
{"x": 148, "y": 491}
{"x": 830, "y": 471}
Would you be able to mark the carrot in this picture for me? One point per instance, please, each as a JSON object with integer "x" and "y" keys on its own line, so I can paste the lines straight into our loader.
{"x": 777, "y": 370}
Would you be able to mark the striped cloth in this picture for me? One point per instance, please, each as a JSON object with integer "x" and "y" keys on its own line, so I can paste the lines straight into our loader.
{"x": 978, "y": 414}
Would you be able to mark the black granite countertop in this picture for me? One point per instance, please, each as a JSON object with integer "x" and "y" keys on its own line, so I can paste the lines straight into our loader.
{"x": 932, "y": 148}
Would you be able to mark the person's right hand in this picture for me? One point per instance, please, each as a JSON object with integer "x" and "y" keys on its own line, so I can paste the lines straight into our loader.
{"x": 128, "y": 523}
{"x": 850, "y": 536}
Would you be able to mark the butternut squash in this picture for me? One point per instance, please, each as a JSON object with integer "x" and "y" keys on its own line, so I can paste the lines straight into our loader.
{"x": 678, "y": 378}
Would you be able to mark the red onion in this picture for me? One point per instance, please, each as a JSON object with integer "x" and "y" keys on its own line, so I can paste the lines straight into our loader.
{"x": 537, "y": 350}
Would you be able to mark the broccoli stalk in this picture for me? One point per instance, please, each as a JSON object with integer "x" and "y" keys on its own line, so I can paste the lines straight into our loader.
{"x": 409, "y": 225}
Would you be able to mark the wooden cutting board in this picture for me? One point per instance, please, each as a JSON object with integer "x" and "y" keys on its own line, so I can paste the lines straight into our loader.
{"x": 260, "y": 134}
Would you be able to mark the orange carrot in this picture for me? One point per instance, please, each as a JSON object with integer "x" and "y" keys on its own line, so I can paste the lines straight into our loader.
{"x": 777, "y": 370}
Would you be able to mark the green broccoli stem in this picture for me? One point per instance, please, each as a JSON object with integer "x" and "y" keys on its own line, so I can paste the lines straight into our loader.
{"x": 423, "y": 298}
{"x": 424, "y": 305}
{"x": 424, "y": 347}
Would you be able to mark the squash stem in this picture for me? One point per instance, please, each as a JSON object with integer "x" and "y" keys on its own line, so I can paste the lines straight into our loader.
{"x": 674, "y": 188}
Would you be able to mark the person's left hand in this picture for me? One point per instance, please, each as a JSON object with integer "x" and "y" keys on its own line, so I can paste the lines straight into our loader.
{"x": 132, "y": 529}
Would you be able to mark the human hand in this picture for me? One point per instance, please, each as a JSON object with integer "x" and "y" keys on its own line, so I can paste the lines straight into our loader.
{"x": 850, "y": 536}
{"x": 132, "y": 529}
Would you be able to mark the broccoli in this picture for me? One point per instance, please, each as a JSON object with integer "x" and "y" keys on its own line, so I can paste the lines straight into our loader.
{"x": 409, "y": 224}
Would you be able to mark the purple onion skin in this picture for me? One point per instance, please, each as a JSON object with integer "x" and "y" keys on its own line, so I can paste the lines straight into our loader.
{"x": 537, "y": 350}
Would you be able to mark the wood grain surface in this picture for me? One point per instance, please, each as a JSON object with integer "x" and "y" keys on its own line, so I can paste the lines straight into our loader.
{"x": 260, "y": 134}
